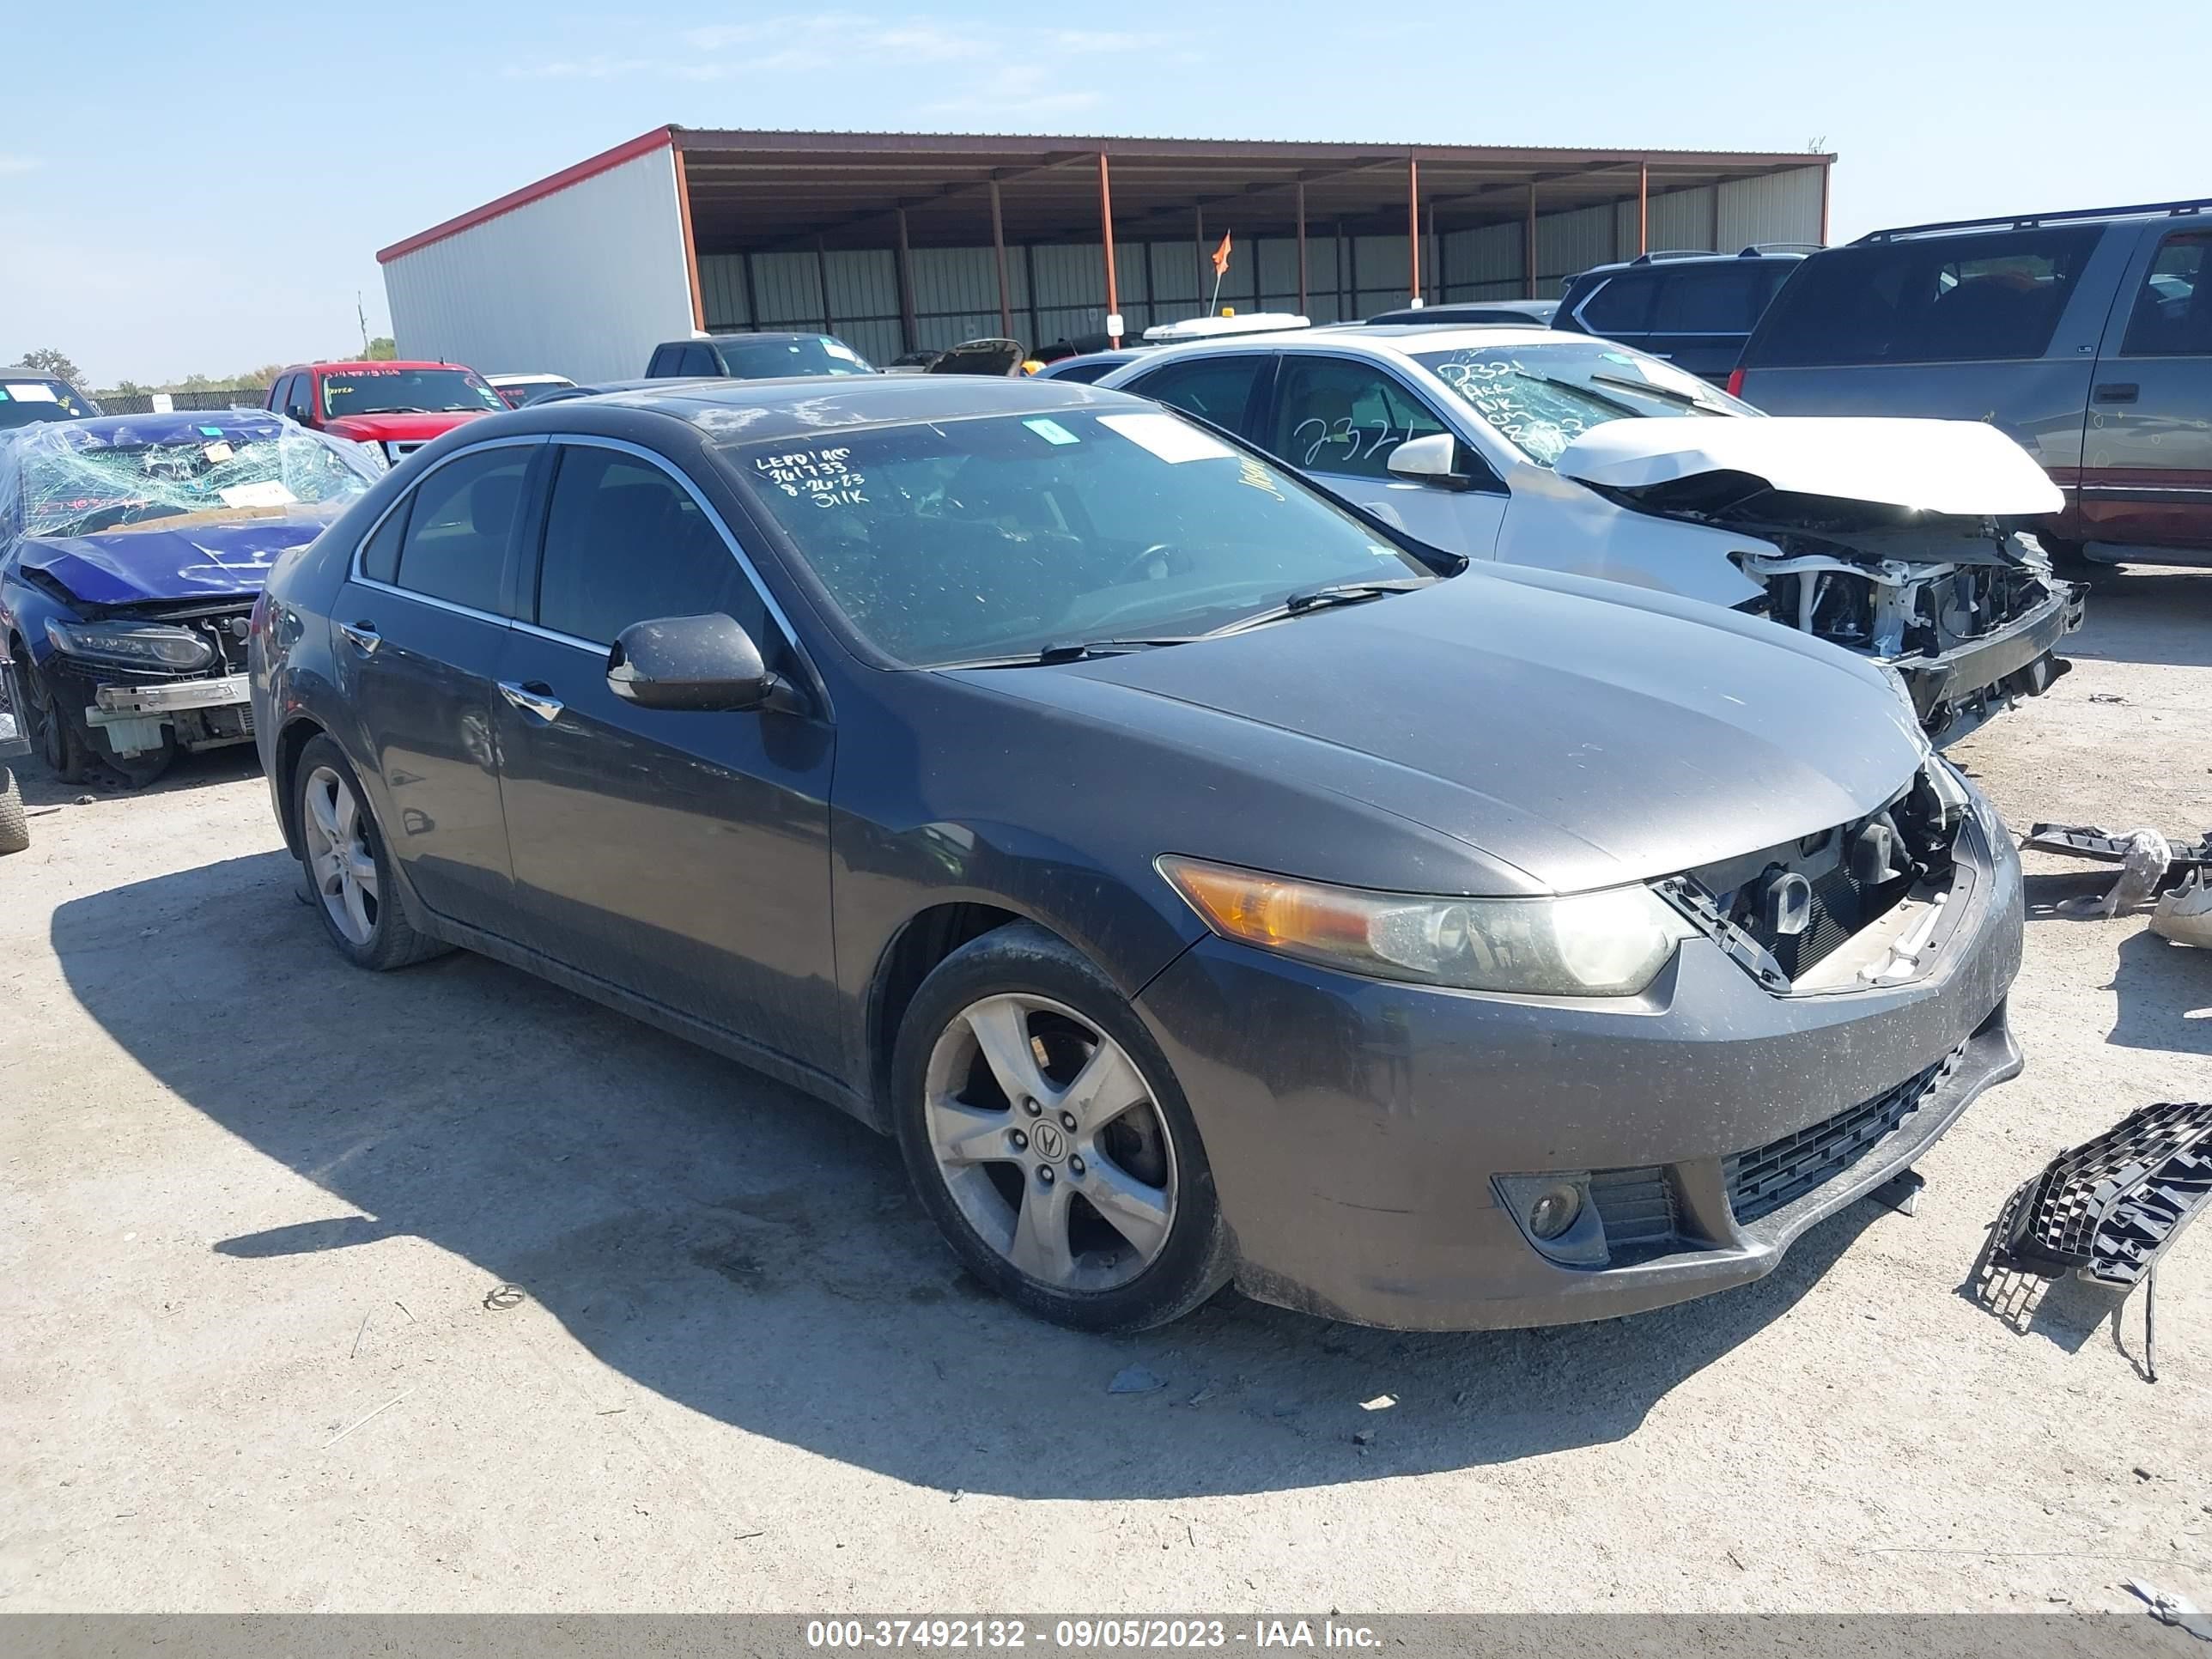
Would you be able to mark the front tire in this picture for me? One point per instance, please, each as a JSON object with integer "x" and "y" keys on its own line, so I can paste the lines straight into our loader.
{"x": 60, "y": 738}
{"x": 350, "y": 876}
{"x": 1048, "y": 1139}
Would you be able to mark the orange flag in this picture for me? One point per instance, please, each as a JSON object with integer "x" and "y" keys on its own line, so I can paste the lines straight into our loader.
{"x": 1221, "y": 256}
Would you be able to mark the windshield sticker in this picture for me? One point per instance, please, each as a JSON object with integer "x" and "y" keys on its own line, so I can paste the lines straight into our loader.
{"x": 265, "y": 492}
{"x": 217, "y": 454}
{"x": 1052, "y": 431}
{"x": 824, "y": 476}
{"x": 33, "y": 393}
{"x": 1173, "y": 441}
{"x": 4, "y": 394}
{"x": 210, "y": 432}
{"x": 1252, "y": 472}
{"x": 839, "y": 348}
{"x": 1617, "y": 357}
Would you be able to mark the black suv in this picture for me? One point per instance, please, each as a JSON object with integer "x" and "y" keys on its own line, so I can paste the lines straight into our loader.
{"x": 754, "y": 357}
{"x": 1694, "y": 309}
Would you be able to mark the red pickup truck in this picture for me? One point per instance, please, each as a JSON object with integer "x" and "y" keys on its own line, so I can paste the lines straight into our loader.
{"x": 395, "y": 408}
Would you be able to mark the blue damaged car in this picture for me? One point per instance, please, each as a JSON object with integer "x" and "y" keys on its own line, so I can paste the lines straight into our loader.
{"x": 132, "y": 549}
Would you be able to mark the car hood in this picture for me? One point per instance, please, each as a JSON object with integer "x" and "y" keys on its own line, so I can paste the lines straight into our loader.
{"x": 1963, "y": 468}
{"x": 1579, "y": 732}
{"x": 402, "y": 428}
{"x": 205, "y": 562}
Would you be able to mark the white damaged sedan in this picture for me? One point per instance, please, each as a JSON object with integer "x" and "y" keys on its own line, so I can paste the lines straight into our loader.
{"x": 1905, "y": 541}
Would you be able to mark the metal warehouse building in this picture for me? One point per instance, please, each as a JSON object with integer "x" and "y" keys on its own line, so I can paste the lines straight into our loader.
{"x": 897, "y": 242}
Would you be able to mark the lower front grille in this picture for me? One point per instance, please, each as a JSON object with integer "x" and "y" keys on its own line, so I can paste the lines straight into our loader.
{"x": 1765, "y": 1178}
{"x": 1636, "y": 1206}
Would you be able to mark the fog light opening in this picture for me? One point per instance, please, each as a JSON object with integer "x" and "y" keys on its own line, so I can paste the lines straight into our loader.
{"x": 1554, "y": 1210}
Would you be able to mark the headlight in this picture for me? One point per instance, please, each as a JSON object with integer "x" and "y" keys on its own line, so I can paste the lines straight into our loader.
{"x": 130, "y": 645}
{"x": 1608, "y": 944}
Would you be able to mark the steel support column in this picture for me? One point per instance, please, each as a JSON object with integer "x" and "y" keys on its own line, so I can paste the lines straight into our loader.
{"x": 1106, "y": 229}
{"x": 1301, "y": 247}
{"x": 822, "y": 276}
{"x": 1413, "y": 225}
{"x": 1644, "y": 206}
{"x": 1529, "y": 245}
{"x": 906, "y": 331}
{"x": 999, "y": 254}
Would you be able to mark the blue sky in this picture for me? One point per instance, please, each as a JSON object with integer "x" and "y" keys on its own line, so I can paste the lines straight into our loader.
{"x": 204, "y": 188}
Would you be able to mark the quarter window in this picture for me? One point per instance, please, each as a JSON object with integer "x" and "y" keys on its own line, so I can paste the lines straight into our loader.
{"x": 2173, "y": 314}
{"x": 460, "y": 525}
{"x": 1342, "y": 417}
{"x": 626, "y": 543}
{"x": 1216, "y": 389}
{"x": 379, "y": 557}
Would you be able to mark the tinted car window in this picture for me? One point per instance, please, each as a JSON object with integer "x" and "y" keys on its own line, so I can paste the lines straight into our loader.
{"x": 460, "y": 524}
{"x": 380, "y": 555}
{"x": 1334, "y": 415}
{"x": 1218, "y": 388}
{"x": 759, "y": 357}
{"x": 1085, "y": 372}
{"x": 665, "y": 359}
{"x": 1937, "y": 300}
{"x": 28, "y": 399}
{"x": 2173, "y": 313}
{"x": 1622, "y": 305}
{"x": 626, "y": 543}
{"x": 1711, "y": 299}
{"x": 404, "y": 390}
{"x": 999, "y": 536}
{"x": 696, "y": 360}
{"x": 280, "y": 395}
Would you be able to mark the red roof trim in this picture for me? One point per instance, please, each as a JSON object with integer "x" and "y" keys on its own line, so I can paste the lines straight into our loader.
{"x": 644, "y": 144}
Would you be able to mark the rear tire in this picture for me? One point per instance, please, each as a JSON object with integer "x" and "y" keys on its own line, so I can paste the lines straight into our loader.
{"x": 350, "y": 880}
{"x": 14, "y": 826}
{"x": 1050, "y": 1141}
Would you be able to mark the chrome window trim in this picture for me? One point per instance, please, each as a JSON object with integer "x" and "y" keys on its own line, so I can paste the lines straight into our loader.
{"x": 354, "y": 572}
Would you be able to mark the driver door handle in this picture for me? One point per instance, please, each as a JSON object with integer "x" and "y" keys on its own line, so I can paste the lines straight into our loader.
{"x": 362, "y": 636}
{"x": 533, "y": 696}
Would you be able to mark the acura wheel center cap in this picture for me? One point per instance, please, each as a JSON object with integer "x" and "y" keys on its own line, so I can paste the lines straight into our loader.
{"x": 1047, "y": 1141}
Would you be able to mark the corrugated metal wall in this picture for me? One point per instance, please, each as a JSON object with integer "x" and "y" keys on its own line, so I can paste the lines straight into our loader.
{"x": 583, "y": 283}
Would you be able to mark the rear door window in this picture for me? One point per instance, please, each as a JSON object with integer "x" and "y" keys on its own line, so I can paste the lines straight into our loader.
{"x": 1216, "y": 389}
{"x": 1991, "y": 296}
{"x": 461, "y": 524}
{"x": 698, "y": 360}
{"x": 1337, "y": 416}
{"x": 1621, "y": 306}
{"x": 1709, "y": 298}
{"x": 663, "y": 366}
{"x": 2172, "y": 311}
{"x": 280, "y": 395}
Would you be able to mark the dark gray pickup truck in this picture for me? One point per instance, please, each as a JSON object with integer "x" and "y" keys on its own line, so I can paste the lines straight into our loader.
{"x": 2086, "y": 335}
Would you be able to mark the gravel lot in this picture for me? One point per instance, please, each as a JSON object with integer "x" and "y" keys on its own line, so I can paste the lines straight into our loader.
{"x": 251, "y": 1203}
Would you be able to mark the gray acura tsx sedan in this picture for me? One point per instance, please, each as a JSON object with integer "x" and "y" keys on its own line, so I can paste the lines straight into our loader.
{"x": 1203, "y": 881}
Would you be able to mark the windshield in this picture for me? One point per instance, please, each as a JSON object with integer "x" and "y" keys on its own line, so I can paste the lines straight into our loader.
{"x": 27, "y": 402}
{"x": 404, "y": 391}
{"x": 78, "y": 484}
{"x": 1001, "y": 536}
{"x": 517, "y": 395}
{"x": 1541, "y": 398}
{"x": 764, "y": 359}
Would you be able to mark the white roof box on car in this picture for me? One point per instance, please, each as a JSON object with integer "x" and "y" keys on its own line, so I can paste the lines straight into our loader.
{"x": 1963, "y": 467}
{"x": 1212, "y": 328}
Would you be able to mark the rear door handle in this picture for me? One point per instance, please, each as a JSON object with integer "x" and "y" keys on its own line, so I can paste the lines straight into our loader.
{"x": 362, "y": 636}
{"x": 2120, "y": 391}
{"x": 534, "y": 696}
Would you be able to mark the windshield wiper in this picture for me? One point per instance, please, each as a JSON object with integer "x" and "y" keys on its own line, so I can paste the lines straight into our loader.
{"x": 1324, "y": 599}
{"x": 1071, "y": 651}
{"x": 1665, "y": 394}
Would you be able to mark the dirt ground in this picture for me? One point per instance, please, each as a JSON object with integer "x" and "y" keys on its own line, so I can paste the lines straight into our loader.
{"x": 253, "y": 1202}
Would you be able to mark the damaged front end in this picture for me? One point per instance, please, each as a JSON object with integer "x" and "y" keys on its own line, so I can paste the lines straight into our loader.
{"x": 148, "y": 678}
{"x": 1965, "y": 609}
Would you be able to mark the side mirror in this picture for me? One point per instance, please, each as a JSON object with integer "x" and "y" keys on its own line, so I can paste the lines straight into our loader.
{"x": 692, "y": 662}
{"x": 1433, "y": 460}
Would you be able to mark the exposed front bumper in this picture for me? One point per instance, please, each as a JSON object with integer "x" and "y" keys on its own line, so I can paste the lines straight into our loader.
{"x": 111, "y": 703}
{"x": 1357, "y": 1130}
{"x": 1959, "y": 688}
{"x": 206, "y": 712}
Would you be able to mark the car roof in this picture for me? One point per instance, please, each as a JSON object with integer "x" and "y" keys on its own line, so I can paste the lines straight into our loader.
{"x": 528, "y": 377}
{"x": 1397, "y": 339}
{"x": 816, "y": 407}
{"x": 1670, "y": 261}
{"x": 365, "y": 362}
{"x": 750, "y": 334}
{"x": 25, "y": 372}
{"x": 181, "y": 425}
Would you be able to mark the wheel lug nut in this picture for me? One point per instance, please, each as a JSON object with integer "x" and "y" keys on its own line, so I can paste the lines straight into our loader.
{"x": 1075, "y": 1166}
{"x": 1031, "y": 1107}
{"x": 1067, "y": 1122}
{"x": 1020, "y": 1140}
{"x": 1044, "y": 1176}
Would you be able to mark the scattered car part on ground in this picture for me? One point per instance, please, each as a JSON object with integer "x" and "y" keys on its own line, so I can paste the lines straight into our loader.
{"x": 1691, "y": 307}
{"x": 1514, "y": 313}
{"x": 2085, "y": 335}
{"x": 15, "y": 745}
{"x": 392, "y": 409}
{"x": 516, "y": 390}
{"x": 31, "y": 396}
{"x": 1217, "y": 980}
{"x": 132, "y": 549}
{"x": 1898, "y": 540}
{"x": 2184, "y": 913}
{"x": 2108, "y": 1209}
{"x": 2090, "y": 840}
{"x": 755, "y": 357}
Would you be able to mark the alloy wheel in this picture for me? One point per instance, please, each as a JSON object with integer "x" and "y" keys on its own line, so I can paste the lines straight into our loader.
{"x": 340, "y": 861}
{"x": 1051, "y": 1142}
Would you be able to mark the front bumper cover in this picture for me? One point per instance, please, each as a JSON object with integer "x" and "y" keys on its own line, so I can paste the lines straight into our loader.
{"x": 1358, "y": 1130}
{"x": 1949, "y": 688}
